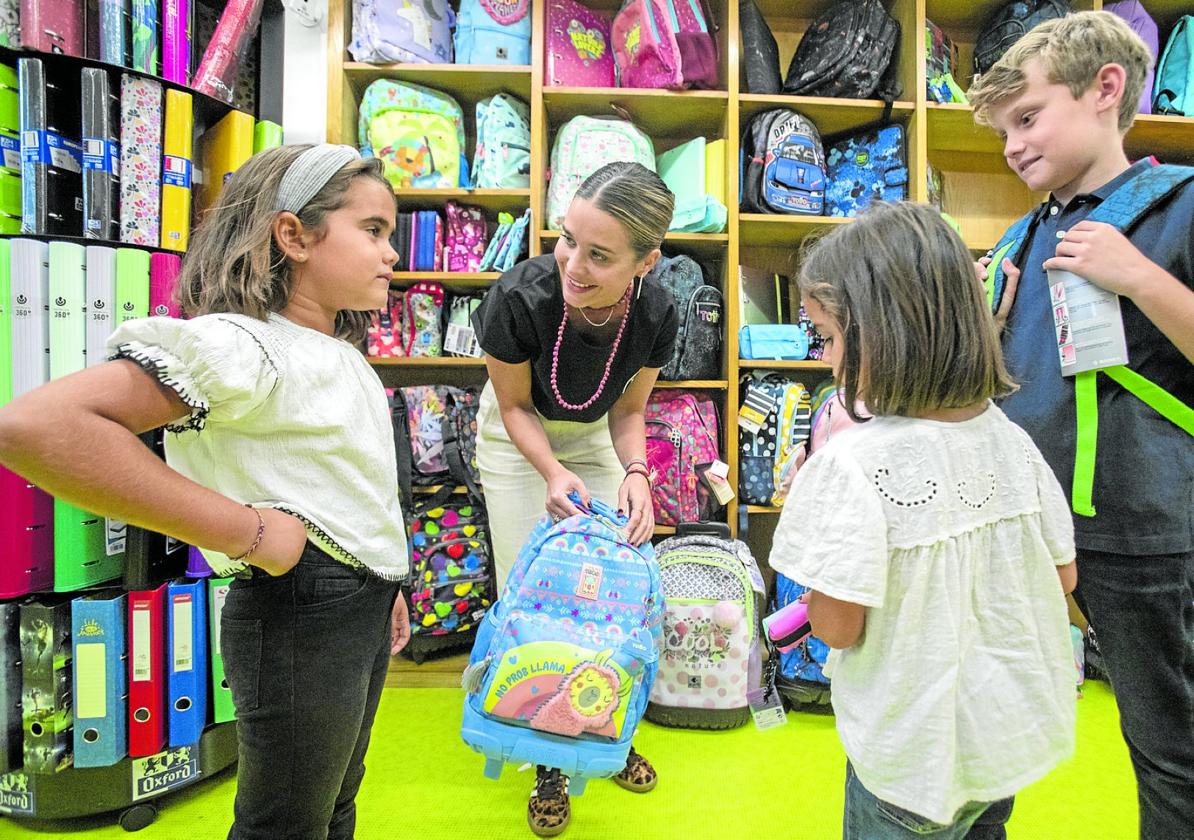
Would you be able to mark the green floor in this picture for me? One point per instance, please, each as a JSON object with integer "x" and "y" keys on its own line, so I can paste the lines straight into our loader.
{"x": 782, "y": 783}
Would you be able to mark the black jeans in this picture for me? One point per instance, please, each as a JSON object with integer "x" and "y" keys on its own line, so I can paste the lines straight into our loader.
{"x": 305, "y": 655}
{"x": 1142, "y": 609}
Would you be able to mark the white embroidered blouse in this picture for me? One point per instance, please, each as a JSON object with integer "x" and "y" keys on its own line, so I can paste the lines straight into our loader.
{"x": 281, "y": 416}
{"x": 962, "y": 687}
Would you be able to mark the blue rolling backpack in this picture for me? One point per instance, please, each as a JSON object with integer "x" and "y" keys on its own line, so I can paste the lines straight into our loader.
{"x": 563, "y": 664}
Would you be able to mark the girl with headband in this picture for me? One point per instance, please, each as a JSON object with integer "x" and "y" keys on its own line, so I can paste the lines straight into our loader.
{"x": 279, "y": 466}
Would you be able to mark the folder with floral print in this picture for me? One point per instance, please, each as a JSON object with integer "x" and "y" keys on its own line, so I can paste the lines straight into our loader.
{"x": 140, "y": 160}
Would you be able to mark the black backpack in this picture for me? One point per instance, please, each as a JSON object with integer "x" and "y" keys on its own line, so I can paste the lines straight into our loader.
{"x": 760, "y": 53}
{"x": 1009, "y": 23}
{"x": 849, "y": 51}
{"x": 697, "y": 352}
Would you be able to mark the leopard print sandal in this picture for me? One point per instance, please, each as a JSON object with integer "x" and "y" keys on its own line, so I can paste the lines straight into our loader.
{"x": 638, "y": 775}
{"x": 549, "y": 811}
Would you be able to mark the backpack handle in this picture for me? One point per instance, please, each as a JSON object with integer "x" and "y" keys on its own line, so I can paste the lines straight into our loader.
{"x": 600, "y": 509}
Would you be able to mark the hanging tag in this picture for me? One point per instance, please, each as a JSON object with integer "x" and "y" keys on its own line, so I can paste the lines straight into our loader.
{"x": 718, "y": 485}
{"x": 473, "y": 676}
{"x": 757, "y": 405}
{"x": 461, "y": 341}
{"x": 766, "y": 709}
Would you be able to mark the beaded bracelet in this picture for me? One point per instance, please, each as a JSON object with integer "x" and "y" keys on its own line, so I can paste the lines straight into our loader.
{"x": 257, "y": 541}
{"x": 643, "y": 472}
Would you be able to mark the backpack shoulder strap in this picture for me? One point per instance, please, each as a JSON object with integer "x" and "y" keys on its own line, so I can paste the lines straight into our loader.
{"x": 1130, "y": 203}
{"x": 1010, "y": 245}
{"x": 1133, "y": 200}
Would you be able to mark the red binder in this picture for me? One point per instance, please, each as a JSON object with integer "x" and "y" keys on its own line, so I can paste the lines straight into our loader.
{"x": 147, "y": 676}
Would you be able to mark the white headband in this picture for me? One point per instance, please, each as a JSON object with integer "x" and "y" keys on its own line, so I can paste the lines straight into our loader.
{"x": 309, "y": 172}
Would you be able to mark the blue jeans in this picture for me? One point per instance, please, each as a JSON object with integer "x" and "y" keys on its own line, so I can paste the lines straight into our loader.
{"x": 306, "y": 656}
{"x": 868, "y": 817}
{"x": 1142, "y": 609}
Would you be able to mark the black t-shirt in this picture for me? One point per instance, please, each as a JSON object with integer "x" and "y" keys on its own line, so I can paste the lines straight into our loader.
{"x": 520, "y": 318}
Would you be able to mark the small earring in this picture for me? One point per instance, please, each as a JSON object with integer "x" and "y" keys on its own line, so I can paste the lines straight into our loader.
{"x": 301, "y": 258}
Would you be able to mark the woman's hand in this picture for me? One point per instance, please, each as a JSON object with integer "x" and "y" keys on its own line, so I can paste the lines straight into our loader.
{"x": 399, "y": 625}
{"x": 634, "y": 497}
{"x": 559, "y": 484}
{"x": 282, "y": 542}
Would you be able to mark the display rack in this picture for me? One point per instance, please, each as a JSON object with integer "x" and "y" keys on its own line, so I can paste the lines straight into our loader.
{"x": 980, "y": 192}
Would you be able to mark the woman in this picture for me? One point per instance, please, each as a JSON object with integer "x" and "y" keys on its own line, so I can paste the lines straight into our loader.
{"x": 574, "y": 342}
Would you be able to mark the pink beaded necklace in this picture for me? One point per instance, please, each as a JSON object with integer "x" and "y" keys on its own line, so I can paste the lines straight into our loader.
{"x": 555, "y": 356}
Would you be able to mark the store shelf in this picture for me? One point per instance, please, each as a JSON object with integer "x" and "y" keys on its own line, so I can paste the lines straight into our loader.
{"x": 481, "y": 80}
{"x": 694, "y": 244}
{"x": 783, "y": 364}
{"x": 449, "y": 279}
{"x": 512, "y": 201}
{"x": 779, "y": 231}
{"x": 693, "y": 384}
{"x": 830, "y": 115}
{"x": 428, "y": 362}
{"x": 1169, "y": 138}
{"x": 660, "y": 113}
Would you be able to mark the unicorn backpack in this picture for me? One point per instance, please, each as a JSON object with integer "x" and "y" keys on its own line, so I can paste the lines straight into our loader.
{"x": 711, "y": 658}
{"x": 411, "y": 31}
{"x": 585, "y": 144}
{"x": 564, "y": 662}
{"x": 417, "y": 132}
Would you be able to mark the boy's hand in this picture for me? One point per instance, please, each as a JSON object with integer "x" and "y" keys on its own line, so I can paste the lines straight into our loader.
{"x": 1011, "y": 282}
{"x": 1101, "y": 254}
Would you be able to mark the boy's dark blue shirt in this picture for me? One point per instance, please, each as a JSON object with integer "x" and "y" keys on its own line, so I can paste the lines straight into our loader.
{"x": 1144, "y": 475}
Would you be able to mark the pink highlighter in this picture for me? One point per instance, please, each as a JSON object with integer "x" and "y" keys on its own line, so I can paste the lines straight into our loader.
{"x": 788, "y": 627}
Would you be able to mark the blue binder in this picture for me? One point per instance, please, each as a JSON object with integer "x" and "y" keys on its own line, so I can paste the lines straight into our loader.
{"x": 186, "y": 660}
{"x": 100, "y": 689}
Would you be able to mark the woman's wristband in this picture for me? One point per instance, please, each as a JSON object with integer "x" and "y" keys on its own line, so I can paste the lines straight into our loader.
{"x": 643, "y": 472}
{"x": 634, "y": 461}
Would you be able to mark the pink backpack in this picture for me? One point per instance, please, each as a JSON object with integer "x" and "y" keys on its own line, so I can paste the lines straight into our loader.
{"x": 384, "y": 335}
{"x": 677, "y": 34}
{"x": 645, "y": 46}
{"x": 468, "y": 235}
{"x": 578, "y": 47}
{"x": 681, "y": 442}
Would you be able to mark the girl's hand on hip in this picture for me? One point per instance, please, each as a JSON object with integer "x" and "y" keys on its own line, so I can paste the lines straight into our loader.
{"x": 559, "y": 485}
{"x": 399, "y": 625}
{"x": 634, "y": 497}
{"x": 282, "y": 542}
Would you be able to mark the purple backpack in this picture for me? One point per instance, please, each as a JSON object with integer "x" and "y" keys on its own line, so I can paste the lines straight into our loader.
{"x": 1144, "y": 26}
{"x": 467, "y": 237}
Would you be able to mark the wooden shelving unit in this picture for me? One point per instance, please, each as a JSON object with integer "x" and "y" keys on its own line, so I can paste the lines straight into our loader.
{"x": 980, "y": 192}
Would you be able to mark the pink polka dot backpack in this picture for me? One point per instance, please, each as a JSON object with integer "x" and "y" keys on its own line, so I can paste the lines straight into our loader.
{"x": 713, "y": 594}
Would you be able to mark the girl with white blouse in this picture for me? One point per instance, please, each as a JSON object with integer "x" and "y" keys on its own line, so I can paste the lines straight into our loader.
{"x": 937, "y": 544}
{"x": 279, "y": 466}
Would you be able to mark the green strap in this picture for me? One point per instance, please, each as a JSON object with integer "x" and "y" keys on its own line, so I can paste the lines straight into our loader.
{"x": 1086, "y": 398}
{"x": 1086, "y": 402}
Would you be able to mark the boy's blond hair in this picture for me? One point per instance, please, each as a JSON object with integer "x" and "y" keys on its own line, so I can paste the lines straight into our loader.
{"x": 1072, "y": 49}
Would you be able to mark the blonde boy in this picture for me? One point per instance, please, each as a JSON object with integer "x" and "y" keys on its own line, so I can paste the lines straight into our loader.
{"x": 1062, "y": 99}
